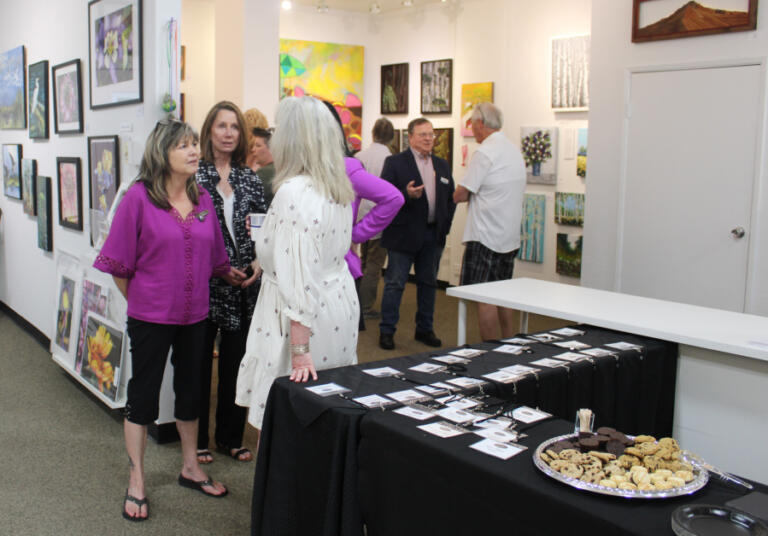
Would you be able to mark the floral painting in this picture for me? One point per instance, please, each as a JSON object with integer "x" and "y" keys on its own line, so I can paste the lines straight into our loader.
{"x": 104, "y": 173}
{"x": 532, "y": 231}
{"x": 38, "y": 100}
{"x": 28, "y": 186}
{"x": 70, "y": 193}
{"x": 12, "y": 92}
{"x": 569, "y": 208}
{"x": 581, "y": 153}
{"x": 569, "y": 248}
{"x": 67, "y": 97}
{"x": 64, "y": 312}
{"x": 539, "y": 148}
{"x": 12, "y": 170}
{"x": 394, "y": 89}
{"x": 436, "y": 86}
{"x": 570, "y": 73}
{"x": 472, "y": 94}
{"x": 328, "y": 71}
{"x": 104, "y": 352}
{"x": 44, "y": 216}
{"x": 94, "y": 299}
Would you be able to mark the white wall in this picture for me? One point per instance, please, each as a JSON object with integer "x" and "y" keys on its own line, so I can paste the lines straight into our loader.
{"x": 613, "y": 54}
{"x": 198, "y": 36}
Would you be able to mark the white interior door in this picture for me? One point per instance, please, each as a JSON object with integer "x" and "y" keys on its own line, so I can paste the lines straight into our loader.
{"x": 691, "y": 142}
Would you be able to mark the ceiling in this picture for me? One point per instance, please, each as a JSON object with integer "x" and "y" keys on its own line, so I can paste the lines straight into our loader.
{"x": 365, "y": 5}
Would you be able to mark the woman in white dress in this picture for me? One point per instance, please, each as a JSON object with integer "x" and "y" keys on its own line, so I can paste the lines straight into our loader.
{"x": 307, "y": 312}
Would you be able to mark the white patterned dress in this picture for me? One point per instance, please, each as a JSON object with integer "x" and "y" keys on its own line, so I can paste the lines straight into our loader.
{"x": 301, "y": 247}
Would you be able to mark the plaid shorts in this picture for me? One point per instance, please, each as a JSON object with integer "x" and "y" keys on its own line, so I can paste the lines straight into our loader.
{"x": 481, "y": 264}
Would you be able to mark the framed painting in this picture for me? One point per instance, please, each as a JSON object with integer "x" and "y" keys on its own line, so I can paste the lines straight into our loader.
{"x": 394, "y": 88}
{"x": 38, "y": 100}
{"x": 436, "y": 86}
{"x": 581, "y": 153}
{"x": 12, "y": 170}
{"x": 539, "y": 148}
{"x": 13, "y": 95}
{"x": 28, "y": 186}
{"x": 570, "y": 73}
{"x": 569, "y": 209}
{"x": 115, "y": 52}
{"x": 472, "y": 94}
{"x": 444, "y": 145}
{"x": 44, "y": 225}
{"x": 532, "y": 231}
{"x": 64, "y": 312}
{"x": 569, "y": 248}
{"x": 70, "y": 182}
{"x": 653, "y": 20}
{"x": 394, "y": 145}
{"x": 103, "y": 173}
{"x": 405, "y": 144}
{"x": 93, "y": 298}
{"x": 104, "y": 355}
{"x": 67, "y": 98}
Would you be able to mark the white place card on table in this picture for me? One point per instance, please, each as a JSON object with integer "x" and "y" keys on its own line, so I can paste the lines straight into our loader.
{"x": 328, "y": 389}
{"x": 430, "y": 390}
{"x": 442, "y": 429}
{"x": 407, "y": 395}
{"x": 496, "y": 449}
{"x": 622, "y": 345}
{"x": 502, "y": 376}
{"x": 415, "y": 413}
{"x": 463, "y": 381}
{"x": 509, "y": 349}
{"x": 548, "y": 362}
{"x": 456, "y": 415}
{"x": 519, "y": 370}
{"x": 462, "y": 403}
{"x": 571, "y": 345}
{"x": 451, "y": 359}
{"x": 428, "y": 368}
{"x": 497, "y": 434}
{"x": 597, "y": 352}
{"x": 570, "y": 356}
{"x": 568, "y": 332}
{"x": 442, "y": 385}
{"x": 497, "y": 422}
{"x": 374, "y": 401}
{"x": 519, "y": 340}
{"x": 467, "y": 352}
{"x": 545, "y": 337}
{"x": 529, "y": 415}
{"x": 382, "y": 372}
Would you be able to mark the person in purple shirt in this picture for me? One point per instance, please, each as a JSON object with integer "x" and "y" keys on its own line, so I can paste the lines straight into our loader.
{"x": 163, "y": 247}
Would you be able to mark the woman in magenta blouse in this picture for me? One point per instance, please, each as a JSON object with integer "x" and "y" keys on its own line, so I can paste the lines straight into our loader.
{"x": 163, "y": 247}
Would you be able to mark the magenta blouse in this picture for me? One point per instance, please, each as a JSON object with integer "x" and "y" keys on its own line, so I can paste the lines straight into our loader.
{"x": 388, "y": 201}
{"x": 167, "y": 261}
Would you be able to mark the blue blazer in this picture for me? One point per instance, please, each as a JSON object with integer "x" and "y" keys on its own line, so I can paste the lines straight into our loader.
{"x": 406, "y": 232}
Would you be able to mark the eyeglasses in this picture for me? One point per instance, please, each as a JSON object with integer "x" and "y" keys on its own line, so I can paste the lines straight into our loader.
{"x": 426, "y": 135}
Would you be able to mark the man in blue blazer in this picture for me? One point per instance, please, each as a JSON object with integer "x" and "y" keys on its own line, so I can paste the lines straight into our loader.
{"x": 417, "y": 234}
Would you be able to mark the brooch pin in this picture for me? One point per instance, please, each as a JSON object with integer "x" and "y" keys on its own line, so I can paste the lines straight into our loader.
{"x": 202, "y": 214}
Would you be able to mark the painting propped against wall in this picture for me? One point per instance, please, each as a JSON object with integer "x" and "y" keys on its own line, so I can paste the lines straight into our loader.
{"x": 532, "y": 228}
{"x": 394, "y": 89}
{"x": 327, "y": 71}
{"x": 569, "y": 248}
{"x": 653, "y": 20}
{"x": 570, "y": 73}
{"x": 104, "y": 355}
{"x": 13, "y": 102}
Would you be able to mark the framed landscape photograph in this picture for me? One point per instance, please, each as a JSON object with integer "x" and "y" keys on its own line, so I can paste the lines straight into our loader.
{"x": 653, "y": 20}
{"x": 70, "y": 183}
{"x": 13, "y": 103}
{"x": 570, "y": 73}
{"x": 67, "y": 98}
{"x": 103, "y": 173}
{"x": 44, "y": 225}
{"x": 12, "y": 170}
{"x": 444, "y": 145}
{"x": 115, "y": 52}
{"x": 436, "y": 86}
{"x": 394, "y": 88}
{"x": 38, "y": 100}
{"x": 28, "y": 186}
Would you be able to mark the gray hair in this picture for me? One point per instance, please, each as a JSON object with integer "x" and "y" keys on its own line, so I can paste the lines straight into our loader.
{"x": 308, "y": 141}
{"x": 489, "y": 114}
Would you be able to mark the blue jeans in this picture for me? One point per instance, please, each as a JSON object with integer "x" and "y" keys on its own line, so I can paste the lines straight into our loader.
{"x": 426, "y": 262}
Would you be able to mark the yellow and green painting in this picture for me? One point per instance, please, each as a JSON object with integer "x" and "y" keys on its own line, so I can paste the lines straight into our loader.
{"x": 472, "y": 94}
{"x": 327, "y": 71}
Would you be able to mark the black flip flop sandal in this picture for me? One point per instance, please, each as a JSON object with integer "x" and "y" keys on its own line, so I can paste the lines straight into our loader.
{"x": 198, "y": 486}
{"x": 137, "y": 502}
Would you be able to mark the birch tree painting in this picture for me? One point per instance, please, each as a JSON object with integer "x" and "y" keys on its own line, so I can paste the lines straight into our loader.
{"x": 570, "y": 73}
{"x": 436, "y": 78}
{"x": 532, "y": 228}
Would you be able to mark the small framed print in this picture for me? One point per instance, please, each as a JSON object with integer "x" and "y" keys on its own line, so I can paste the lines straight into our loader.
{"x": 67, "y": 98}
{"x": 12, "y": 170}
{"x": 70, "y": 183}
{"x": 103, "y": 173}
{"x": 38, "y": 100}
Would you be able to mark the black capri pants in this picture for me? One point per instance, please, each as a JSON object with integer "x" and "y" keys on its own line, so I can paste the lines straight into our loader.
{"x": 150, "y": 343}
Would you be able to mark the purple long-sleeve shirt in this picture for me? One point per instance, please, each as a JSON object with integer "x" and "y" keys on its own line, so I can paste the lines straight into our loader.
{"x": 166, "y": 260}
{"x": 388, "y": 201}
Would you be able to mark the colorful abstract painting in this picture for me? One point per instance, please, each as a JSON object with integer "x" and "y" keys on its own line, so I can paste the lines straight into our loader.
{"x": 12, "y": 170}
{"x": 38, "y": 100}
{"x": 532, "y": 228}
{"x": 28, "y": 186}
{"x": 13, "y": 109}
{"x": 70, "y": 193}
{"x": 104, "y": 354}
{"x": 570, "y": 73}
{"x": 472, "y": 94}
{"x": 103, "y": 172}
{"x": 64, "y": 313}
{"x": 436, "y": 86}
{"x": 327, "y": 71}
{"x": 94, "y": 299}
{"x": 539, "y": 148}
{"x": 581, "y": 153}
{"x": 394, "y": 89}
{"x": 444, "y": 145}
{"x": 569, "y": 208}
{"x": 44, "y": 215}
{"x": 569, "y": 254}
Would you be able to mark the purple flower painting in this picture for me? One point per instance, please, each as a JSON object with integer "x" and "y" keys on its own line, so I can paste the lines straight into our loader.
{"x": 113, "y": 47}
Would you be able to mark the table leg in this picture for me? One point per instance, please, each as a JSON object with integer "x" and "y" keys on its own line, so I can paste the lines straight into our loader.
{"x": 523, "y": 321}
{"x": 461, "y": 336}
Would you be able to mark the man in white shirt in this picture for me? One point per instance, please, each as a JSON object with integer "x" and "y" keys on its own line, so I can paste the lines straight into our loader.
{"x": 494, "y": 186}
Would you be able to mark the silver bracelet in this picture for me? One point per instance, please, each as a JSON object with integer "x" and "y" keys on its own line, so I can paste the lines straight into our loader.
{"x": 300, "y": 349}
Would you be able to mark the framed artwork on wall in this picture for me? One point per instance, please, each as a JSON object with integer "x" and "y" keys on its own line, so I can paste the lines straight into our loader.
{"x": 13, "y": 95}
{"x": 103, "y": 174}
{"x": 581, "y": 153}
{"x": 394, "y": 88}
{"x": 533, "y": 225}
{"x": 70, "y": 182}
{"x": 28, "y": 186}
{"x": 44, "y": 225}
{"x": 539, "y": 148}
{"x": 67, "y": 98}
{"x": 569, "y": 247}
{"x": 569, "y": 208}
{"x": 38, "y": 100}
{"x": 394, "y": 145}
{"x": 653, "y": 20}
{"x": 472, "y": 94}
{"x": 570, "y": 73}
{"x": 115, "y": 52}
{"x": 12, "y": 170}
{"x": 436, "y": 86}
{"x": 404, "y": 144}
{"x": 444, "y": 145}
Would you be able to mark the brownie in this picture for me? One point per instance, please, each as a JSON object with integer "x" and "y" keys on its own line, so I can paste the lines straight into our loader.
{"x": 605, "y": 430}
{"x": 562, "y": 445}
{"x": 589, "y": 443}
{"x": 615, "y": 447}
{"x": 603, "y": 439}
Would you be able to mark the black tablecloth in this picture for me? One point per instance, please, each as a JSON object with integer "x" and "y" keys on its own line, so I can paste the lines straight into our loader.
{"x": 306, "y": 472}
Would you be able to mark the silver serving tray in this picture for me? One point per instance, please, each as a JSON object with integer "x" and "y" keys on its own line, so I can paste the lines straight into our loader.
{"x": 701, "y": 477}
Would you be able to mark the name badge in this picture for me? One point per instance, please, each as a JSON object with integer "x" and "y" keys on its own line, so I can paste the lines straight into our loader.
{"x": 444, "y": 180}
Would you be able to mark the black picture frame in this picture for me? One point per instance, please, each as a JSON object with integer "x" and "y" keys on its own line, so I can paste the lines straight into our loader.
{"x": 101, "y": 181}
{"x": 44, "y": 209}
{"x": 12, "y": 154}
{"x": 114, "y": 80}
{"x": 437, "y": 86}
{"x": 37, "y": 100}
{"x": 66, "y": 184}
{"x": 394, "y": 88}
{"x": 67, "y": 97}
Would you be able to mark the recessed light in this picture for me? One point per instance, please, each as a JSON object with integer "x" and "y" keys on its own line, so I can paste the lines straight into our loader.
{"x": 407, "y": 3}
{"x": 375, "y": 8}
{"x": 287, "y": 4}
{"x": 322, "y": 7}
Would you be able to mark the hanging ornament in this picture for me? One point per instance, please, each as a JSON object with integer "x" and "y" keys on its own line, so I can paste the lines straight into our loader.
{"x": 168, "y": 104}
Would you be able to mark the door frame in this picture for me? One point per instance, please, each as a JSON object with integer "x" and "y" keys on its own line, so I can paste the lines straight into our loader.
{"x": 759, "y": 165}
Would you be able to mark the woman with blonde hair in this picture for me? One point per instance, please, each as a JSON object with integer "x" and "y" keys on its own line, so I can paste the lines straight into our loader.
{"x": 307, "y": 311}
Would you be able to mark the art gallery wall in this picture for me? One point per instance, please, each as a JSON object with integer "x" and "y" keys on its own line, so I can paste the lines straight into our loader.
{"x": 613, "y": 54}
{"x": 28, "y": 274}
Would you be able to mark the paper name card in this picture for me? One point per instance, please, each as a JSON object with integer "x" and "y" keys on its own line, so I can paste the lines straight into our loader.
{"x": 451, "y": 359}
{"x": 442, "y": 429}
{"x": 529, "y": 415}
{"x": 502, "y": 376}
{"x": 519, "y": 340}
{"x": 497, "y": 434}
{"x": 621, "y": 345}
{"x": 406, "y": 395}
{"x": 463, "y": 381}
{"x": 442, "y": 385}
{"x": 510, "y": 349}
{"x": 428, "y": 368}
{"x": 503, "y": 451}
{"x": 415, "y": 413}
{"x": 568, "y": 332}
{"x": 382, "y": 372}
{"x": 545, "y": 337}
{"x": 571, "y": 345}
{"x": 328, "y": 389}
{"x": 467, "y": 352}
{"x": 374, "y": 401}
{"x": 456, "y": 415}
{"x": 548, "y": 362}
{"x": 597, "y": 352}
{"x": 430, "y": 390}
{"x": 519, "y": 370}
{"x": 497, "y": 422}
{"x": 462, "y": 403}
{"x": 570, "y": 356}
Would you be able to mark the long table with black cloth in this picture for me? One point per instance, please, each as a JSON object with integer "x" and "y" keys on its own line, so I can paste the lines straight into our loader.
{"x": 329, "y": 465}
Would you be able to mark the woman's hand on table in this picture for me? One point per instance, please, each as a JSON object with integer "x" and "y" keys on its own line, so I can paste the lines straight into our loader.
{"x": 235, "y": 277}
{"x": 302, "y": 367}
{"x": 256, "y": 267}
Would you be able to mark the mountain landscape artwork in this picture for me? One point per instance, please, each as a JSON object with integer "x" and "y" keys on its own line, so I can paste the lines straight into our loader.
{"x": 671, "y": 19}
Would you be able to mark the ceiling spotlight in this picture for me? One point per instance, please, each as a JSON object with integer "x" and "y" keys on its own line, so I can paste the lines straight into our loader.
{"x": 287, "y": 4}
{"x": 407, "y": 3}
{"x": 322, "y": 7}
{"x": 375, "y": 8}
